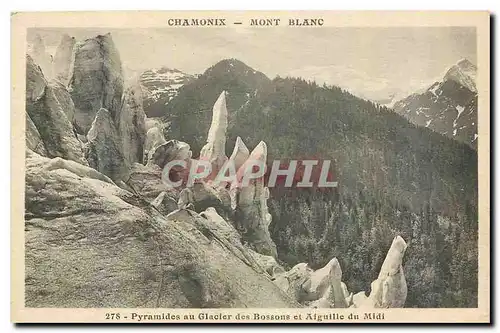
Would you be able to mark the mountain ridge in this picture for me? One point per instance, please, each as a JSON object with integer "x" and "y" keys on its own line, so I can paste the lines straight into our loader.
{"x": 448, "y": 106}
{"x": 188, "y": 112}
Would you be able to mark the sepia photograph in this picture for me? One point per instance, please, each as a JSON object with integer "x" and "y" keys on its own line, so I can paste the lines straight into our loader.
{"x": 264, "y": 161}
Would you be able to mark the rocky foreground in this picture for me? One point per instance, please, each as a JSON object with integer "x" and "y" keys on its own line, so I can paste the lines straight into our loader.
{"x": 102, "y": 229}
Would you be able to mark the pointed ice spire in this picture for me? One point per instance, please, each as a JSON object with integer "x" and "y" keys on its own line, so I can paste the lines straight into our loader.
{"x": 326, "y": 283}
{"x": 258, "y": 156}
{"x": 214, "y": 149}
{"x": 337, "y": 294}
{"x": 96, "y": 80}
{"x": 249, "y": 198}
{"x": 390, "y": 289}
{"x": 41, "y": 57}
{"x": 64, "y": 59}
{"x": 38, "y": 44}
{"x": 240, "y": 153}
{"x": 394, "y": 257}
{"x": 319, "y": 281}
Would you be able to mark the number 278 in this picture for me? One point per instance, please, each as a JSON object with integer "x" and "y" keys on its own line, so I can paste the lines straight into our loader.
{"x": 112, "y": 316}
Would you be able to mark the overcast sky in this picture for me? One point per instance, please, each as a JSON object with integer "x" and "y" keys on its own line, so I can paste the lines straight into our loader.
{"x": 372, "y": 62}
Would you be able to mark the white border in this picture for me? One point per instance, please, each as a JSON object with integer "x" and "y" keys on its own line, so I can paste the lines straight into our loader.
{"x": 46, "y": 5}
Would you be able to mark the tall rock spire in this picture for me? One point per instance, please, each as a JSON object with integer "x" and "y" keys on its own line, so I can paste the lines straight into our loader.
{"x": 240, "y": 153}
{"x": 390, "y": 289}
{"x": 130, "y": 123}
{"x": 50, "y": 113}
{"x": 97, "y": 80}
{"x": 250, "y": 203}
{"x": 214, "y": 149}
{"x": 64, "y": 58}
{"x": 41, "y": 57}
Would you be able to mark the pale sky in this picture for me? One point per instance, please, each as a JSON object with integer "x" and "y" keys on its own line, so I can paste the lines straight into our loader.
{"x": 371, "y": 62}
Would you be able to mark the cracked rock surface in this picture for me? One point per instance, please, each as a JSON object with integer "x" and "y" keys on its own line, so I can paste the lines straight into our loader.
{"x": 97, "y": 80}
{"x": 90, "y": 243}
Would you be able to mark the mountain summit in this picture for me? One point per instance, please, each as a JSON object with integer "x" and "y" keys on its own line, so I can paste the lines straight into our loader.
{"x": 159, "y": 86}
{"x": 464, "y": 73}
{"x": 448, "y": 106}
{"x": 189, "y": 113}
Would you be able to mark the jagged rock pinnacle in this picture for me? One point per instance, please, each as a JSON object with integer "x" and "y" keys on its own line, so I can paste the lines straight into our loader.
{"x": 97, "y": 80}
{"x": 390, "y": 289}
{"x": 64, "y": 59}
{"x": 249, "y": 200}
{"x": 103, "y": 151}
{"x": 214, "y": 149}
{"x": 240, "y": 153}
{"x": 50, "y": 112}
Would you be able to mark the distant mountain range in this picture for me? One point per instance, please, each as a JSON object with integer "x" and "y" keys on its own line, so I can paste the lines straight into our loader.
{"x": 448, "y": 106}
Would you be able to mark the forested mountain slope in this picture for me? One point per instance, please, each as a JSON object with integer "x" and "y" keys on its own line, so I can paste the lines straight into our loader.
{"x": 394, "y": 178}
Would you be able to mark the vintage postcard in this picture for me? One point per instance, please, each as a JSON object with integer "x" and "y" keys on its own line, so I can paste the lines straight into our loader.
{"x": 250, "y": 167}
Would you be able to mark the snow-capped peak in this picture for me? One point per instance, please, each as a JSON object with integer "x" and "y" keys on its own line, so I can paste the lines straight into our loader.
{"x": 464, "y": 73}
{"x": 162, "y": 84}
{"x": 467, "y": 66}
{"x": 447, "y": 107}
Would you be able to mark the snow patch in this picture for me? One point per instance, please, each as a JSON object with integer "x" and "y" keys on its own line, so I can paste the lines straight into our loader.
{"x": 459, "y": 109}
{"x": 433, "y": 89}
{"x": 162, "y": 82}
